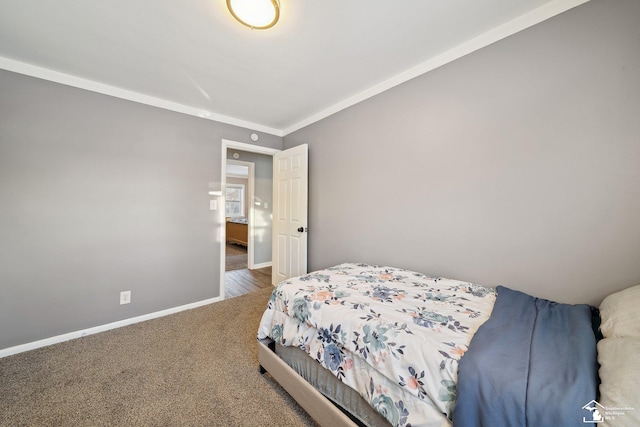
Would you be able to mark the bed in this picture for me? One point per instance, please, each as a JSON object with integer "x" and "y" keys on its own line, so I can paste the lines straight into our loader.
{"x": 360, "y": 344}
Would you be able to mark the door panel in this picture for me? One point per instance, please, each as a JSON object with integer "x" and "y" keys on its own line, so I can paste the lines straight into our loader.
{"x": 290, "y": 186}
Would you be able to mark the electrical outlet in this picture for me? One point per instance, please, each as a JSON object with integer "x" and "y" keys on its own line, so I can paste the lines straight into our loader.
{"x": 125, "y": 297}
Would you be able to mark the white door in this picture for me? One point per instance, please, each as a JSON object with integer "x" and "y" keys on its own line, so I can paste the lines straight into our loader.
{"x": 290, "y": 180}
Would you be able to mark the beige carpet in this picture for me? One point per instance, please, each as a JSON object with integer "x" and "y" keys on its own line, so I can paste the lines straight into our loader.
{"x": 194, "y": 368}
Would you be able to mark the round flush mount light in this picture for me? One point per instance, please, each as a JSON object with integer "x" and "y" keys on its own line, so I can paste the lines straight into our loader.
{"x": 255, "y": 14}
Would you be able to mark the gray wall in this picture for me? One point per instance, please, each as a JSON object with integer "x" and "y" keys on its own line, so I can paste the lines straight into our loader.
{"x": 263, "y": 193}
{"x": 100, "y": 195}
{"x": 518, "y": 164}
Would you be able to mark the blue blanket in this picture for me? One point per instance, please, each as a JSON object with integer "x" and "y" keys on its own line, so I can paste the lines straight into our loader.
{"x": 533, "y": 363}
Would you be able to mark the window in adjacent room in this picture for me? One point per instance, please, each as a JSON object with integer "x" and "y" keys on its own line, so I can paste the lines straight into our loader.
{"x": 235, "y": 200}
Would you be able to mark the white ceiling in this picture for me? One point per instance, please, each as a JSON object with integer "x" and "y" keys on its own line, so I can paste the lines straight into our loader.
{"x": 191, "y": 56}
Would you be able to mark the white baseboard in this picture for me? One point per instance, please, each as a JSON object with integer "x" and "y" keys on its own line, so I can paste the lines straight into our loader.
{"x": 102, "y": 328}
{"x": 261, "y": 265}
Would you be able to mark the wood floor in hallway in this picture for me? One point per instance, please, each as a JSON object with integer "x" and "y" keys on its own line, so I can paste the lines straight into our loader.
{"x": 240, "y": 282}
{"x": 238, "y": 279}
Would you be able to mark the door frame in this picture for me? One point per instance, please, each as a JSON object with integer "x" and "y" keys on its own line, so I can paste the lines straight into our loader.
{"x": 249, "y": 196}
{"x": 242, "y": 146}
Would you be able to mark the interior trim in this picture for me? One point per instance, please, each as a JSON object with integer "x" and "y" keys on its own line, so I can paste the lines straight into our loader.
{"x": 530, "y": 19}
{"x": 102, "y": 328}
{"x": 523, "y": 22}
{"x": 242, "y": 146}
{"x": 90, "y": 85}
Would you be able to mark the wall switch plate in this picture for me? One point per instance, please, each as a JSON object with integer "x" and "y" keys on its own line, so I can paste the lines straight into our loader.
{"x": 125, "y": 297}
{"x": 213, "y": 205}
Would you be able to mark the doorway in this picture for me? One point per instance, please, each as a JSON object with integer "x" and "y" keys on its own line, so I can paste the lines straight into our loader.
{"x": 239, "y": 213}
{"x": 255, "y": 210}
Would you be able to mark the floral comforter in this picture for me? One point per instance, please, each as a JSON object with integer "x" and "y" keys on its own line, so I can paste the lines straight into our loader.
{"x": 393, "y": 335}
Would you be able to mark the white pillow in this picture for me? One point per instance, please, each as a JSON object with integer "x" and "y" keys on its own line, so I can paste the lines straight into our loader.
{"x": 620, "y": 314}
{"x": 620, "y": 381}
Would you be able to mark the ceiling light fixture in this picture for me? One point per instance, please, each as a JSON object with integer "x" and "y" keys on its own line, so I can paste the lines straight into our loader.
{"x": 255, "y": 14}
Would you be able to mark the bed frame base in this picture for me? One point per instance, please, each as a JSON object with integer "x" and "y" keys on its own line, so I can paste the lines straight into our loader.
{"x": 321, "y": 409}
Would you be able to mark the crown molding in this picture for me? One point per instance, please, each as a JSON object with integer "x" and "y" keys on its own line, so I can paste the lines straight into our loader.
{"x": 523, "y": 22}
{"x": 90, "y": 85}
